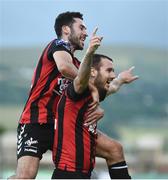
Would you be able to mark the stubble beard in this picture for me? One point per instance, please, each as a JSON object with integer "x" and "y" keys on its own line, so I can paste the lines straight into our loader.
{"x": 102, "y": 91}
{"x": 74, "y": 41}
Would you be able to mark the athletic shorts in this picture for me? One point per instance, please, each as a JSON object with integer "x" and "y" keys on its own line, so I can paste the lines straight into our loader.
{"x": 34, "y": 139}
{"x": 63, "y": 174}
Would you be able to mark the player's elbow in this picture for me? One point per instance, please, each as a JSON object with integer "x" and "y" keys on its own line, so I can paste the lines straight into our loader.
{"x": 79, "y": 85}
{"x": 63, "y": 70}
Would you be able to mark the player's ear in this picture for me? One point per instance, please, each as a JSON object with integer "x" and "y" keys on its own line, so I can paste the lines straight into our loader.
{"x": 66, "y": 30}
{"x": 93, "y": 72}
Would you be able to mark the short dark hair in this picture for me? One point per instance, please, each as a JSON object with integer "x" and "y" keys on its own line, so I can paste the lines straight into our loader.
{"x": 66, "y": 18}
{"x": 97, "y": 60}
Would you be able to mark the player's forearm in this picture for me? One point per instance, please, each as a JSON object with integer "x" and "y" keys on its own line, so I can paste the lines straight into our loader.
{"x": 84, "y": 70}
{"x": 69, "y": 71}
{"x": 82, "y": 79}
{"x": 115, "y": 86}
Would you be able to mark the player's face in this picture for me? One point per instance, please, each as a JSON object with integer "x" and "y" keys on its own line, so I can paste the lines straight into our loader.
{"x": 78, "y": 34}
{"x": 105, "y": 75}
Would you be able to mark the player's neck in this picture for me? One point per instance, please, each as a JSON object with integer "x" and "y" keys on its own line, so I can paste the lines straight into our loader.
{"x": 72, "y": 48}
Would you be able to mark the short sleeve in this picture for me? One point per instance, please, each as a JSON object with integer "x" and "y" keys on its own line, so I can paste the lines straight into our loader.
{"x": 75, "y": 96}
{"x": 58, "y": 46}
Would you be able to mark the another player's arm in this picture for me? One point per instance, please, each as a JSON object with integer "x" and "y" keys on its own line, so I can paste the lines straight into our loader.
{"x": 82, "y": 80}
{"x": 64, "y": 64}
{"x": 124, "y": 77}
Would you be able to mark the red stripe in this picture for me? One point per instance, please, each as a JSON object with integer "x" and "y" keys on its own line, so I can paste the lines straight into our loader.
{"x": 68, "y": 148}
{"x": 47, "y": 68}
{"x": 87, "y": 148}
{"x": 39, "y": 83}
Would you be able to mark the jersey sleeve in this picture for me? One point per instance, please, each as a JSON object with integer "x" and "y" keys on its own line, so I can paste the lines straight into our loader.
{"x": 55, "y": 46}
{"x": 70, "y": 91}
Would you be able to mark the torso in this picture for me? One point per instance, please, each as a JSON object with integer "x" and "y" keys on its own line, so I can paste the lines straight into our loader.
{"x": 47, "y": 86}
{"x": 74, "y": 143}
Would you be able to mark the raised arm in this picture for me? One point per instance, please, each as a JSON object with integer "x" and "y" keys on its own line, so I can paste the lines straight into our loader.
{"x": 124, "y": 77}
{"x": 82, "y": 79}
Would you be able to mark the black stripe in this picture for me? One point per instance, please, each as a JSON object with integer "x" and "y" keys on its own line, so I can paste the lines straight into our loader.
{"x": 92, "y": 149}
{"x": 34, "y": 112}
{"x": 79, "y": 137}
{"x": 38, "y": 69}
{"x": 34, "y": 105}
{"x": 61, "y": 107}
{"x": 49, "y": 106}
{"x": 37, "y": 75}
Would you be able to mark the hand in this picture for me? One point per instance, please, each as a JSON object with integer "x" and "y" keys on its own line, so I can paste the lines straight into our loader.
{"x": 95, "y": 42}
{"x": 93, "y": 116}
{"x": 127, "y": 76}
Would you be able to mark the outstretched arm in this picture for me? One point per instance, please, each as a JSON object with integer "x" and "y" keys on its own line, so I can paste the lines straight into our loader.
{"x": 82, "y": 79}
{"x": 93, "y": 116}
{"x": 124, "y": 77}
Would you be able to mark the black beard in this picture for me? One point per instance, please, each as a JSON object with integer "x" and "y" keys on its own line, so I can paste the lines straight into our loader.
{"x": 77, "y": 47}
{"x": 74, "y": 41}
{"x": 102, "y": 94}
{"x": 101, "y": 90}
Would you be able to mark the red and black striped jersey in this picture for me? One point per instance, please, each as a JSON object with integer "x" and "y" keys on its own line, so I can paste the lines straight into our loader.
{"x": 74, "y": 143}
{"x": 47, "y": 86}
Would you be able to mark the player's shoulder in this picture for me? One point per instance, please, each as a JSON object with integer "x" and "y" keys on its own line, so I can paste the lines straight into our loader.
{"x": 75, "y": 96}
{"x": 62, "y": 43}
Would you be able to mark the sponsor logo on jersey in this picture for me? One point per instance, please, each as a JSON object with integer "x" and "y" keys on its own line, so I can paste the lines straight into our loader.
{"x": 61, "y": 85}
{"x": 31, "y": 141}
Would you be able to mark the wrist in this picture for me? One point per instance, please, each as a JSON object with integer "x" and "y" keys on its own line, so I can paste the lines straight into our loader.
{"x": 120, "y": 79}
{"x": 90, "y": 51}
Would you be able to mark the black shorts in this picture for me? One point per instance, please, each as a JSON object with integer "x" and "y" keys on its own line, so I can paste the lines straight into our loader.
{"x": 34, "y": 139}
{"x": 63, "y": 174}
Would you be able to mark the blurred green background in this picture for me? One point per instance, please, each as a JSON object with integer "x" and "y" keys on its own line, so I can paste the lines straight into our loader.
{"x": 137, "y": 115}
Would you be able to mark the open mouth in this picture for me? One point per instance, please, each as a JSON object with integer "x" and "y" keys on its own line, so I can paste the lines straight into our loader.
{"x": 108, "y": 81}
{"x": 82, "y": 39}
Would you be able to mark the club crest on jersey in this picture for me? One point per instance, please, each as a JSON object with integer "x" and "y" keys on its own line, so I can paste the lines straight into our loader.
{"x": 61, "y": 42}
{"x": 92, "y": 128}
